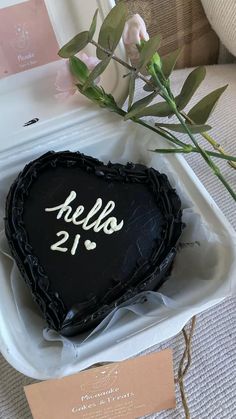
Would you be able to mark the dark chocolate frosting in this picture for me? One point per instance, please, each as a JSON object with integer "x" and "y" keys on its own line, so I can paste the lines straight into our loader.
{"x": 76, "y": 291}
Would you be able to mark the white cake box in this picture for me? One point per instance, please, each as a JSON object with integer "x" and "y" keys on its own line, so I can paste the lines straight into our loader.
{"x": 204, "y": 274}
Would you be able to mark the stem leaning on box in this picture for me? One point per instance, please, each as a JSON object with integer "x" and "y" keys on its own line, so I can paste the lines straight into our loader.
{"x": 211, "y": 141}
{"x": 163, "y": 89}
{"x": 186, "y": 148}
{"x": 190, "y": 149}
{"x": 206, "y": 157}
{"x": 169, "y": 98}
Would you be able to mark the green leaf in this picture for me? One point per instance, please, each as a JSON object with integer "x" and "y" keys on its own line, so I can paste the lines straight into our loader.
{"x": 139, "y": 105}
{"x": 94, "y": 93}
{"x": 112, "y": 29}
{"x": 195, "y": 129}
{"x": 187, "y": 149}
{"x": 148, "y": 87}
{"x": 160, "y": 109}
{"x": 108, "y": 101}
{"x": 169, "y": 61}
{"x": 190, "y": 86}
{"x": 99, "y": 69}
{"x": 200, "y": 112}
{"x": 93, "y": 26}
{"x": 80, "y": 41}
{"x": 131, "y": 90}
{"x": 79, "y": 69}
{"x": 148, "y": 50}
{"x": 75, "y": 45}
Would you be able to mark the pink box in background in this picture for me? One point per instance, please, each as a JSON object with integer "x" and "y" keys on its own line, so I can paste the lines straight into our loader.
{"x": 27, "y": 38}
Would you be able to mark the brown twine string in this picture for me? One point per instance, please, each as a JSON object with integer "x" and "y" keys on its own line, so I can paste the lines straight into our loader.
{"x": 184, "y": 364}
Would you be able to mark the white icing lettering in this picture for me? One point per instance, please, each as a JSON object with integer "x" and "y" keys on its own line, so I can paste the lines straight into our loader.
{"x": 97, "y": 206}
{"x": 79, "y": 210}
{"x": 56, "y": 246}
{"x": 75, "y": 244}
{"x": 109, "y": 226}
{"x": 64, "y": 207}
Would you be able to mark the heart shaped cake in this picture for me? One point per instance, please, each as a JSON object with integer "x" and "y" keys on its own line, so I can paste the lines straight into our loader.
{"x": 88, "y": 236}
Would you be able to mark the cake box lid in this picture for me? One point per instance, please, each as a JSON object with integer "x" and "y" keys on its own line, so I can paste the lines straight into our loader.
{"x": 31, "y": 33}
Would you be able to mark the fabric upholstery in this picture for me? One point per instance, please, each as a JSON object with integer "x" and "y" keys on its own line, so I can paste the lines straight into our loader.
{"x": 182, "y": 23}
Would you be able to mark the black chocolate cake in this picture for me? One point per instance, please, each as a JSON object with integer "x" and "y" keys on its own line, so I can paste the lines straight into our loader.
{"x": 88, "y": 236}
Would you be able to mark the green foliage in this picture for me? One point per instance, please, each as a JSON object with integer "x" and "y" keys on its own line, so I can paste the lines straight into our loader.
{"x": 169, "y": 61}
{"x": 190, "y": 86}
{"x": 93, "y": 26}
{"x": 96, "y": 72}
{"x": 79, "y": 41}
{"x": 187, "y": 149}
{"x": 98, "y": 96}
{"x": 195, "y": 129}
{"x": 148, "y": 87}
{"x": 112, "y": 29}
{"x": 200, "y": 112}
{"x": 159, "y": 71}
{"x": 75, "y": 45}
{"x": 160, "y": 109}
{"x": 139, "y": 105}
{"x": 94, "y": 93}
{"x": 131, "y": 90}
{"x": 148, "y": 50}
{"x": 79, "y": 69}
{"x": 167, "y": 64}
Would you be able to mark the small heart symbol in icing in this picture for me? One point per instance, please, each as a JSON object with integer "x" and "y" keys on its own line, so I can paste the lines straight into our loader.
{"x": 90, "y": 245}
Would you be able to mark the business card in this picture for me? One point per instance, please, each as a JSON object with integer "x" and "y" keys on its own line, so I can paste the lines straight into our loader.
{"x": 128, "y": 389}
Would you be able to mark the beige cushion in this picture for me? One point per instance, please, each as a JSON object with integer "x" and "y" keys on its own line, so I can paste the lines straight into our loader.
{"x": 222, "y": 16}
